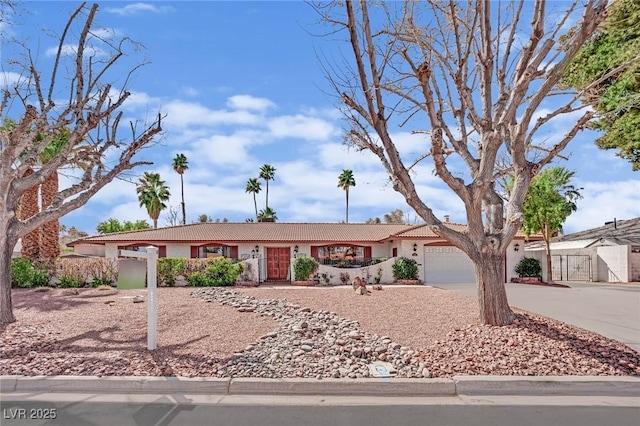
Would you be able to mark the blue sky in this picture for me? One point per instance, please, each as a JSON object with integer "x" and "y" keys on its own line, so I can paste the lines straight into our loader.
{"x": 241, "y": 86}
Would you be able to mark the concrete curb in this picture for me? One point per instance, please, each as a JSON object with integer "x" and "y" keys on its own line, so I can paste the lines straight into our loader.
{"x": 548, "y": 385}
{"x": 623, "y": 386}
{"x": 345, "y": 387}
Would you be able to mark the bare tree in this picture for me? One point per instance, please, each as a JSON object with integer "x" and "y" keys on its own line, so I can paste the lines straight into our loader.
{"x": 472, "y": 78}
{"x": 83, "y": 102}
{"x": 172, "y": 217}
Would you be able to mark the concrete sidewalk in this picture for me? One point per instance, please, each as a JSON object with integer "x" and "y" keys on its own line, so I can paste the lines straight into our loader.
{"x": 612, "y": 310}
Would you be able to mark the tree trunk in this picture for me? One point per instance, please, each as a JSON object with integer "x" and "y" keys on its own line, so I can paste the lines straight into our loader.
{"x": 549, "y": 265}
{"x": 347, "y": 213}
{"x": 492, "y": 295}
{"x": 29, "y": 207}
{"x": 50, "y": 248}
{"x": 184, "y": 211}
{"x": 266, "y": 200}
{"x": 255, "y": 205}
{"x": 6, "y": 305}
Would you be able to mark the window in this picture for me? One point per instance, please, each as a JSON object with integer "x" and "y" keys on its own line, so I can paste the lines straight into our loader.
{"x": 329, "y": 254}
{"x": 213, "y": 251}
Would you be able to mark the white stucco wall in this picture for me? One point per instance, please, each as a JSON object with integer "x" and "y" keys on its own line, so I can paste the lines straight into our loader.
{"x": 613, "y": 263}
{"x": 179, "y": 250}
{"x": 634, "y": 260}
{"x": 333, "y": 273}
{"x": 89, "y": 249}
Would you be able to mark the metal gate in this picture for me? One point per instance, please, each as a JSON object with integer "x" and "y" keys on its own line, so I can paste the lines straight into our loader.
{"x": 571, "y": 267}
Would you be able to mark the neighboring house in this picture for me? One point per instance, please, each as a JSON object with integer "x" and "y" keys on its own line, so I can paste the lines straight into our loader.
{"x": 609, "y": 253}
{"x": 335, "y": 244}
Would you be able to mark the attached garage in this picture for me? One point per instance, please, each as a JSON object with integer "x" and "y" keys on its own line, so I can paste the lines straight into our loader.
{"x": 447, "y": 265}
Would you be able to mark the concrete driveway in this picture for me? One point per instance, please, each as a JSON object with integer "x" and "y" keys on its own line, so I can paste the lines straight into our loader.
{"x": 608, "y": 309}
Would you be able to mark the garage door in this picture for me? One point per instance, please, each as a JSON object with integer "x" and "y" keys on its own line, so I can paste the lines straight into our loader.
{"x": 447, "y": 265}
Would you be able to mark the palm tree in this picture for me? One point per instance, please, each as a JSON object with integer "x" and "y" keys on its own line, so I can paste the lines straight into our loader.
{"x": 29, "y": 206}
{"x": 345, "y": 180}
{"x": 153, "y": 193}
{"x": 50, "y": 239}
{"x": 180, "y": 164}
{"x": 267, "y": 172}
{"x": 253, "y": 187}
{"x": 267, "y": 215}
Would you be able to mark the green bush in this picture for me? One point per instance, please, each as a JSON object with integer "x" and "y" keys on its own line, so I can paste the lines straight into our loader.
{"x": 529, "y": 267}
{"x": 405, "y": 269}
{"x": 304, "y": 267}
{"x": 102, "y": 281}
{"x": 197, "y": 279}
{"x": 169, "y": 268}
{"x": 26, "y": 274}
{"x": 219, "y": 272}
{"x": 69, "y": 282}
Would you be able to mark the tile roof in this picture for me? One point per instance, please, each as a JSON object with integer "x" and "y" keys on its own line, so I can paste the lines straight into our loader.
{"x": 254, "y": 232}
{"x": 424, "y": 231}
{"x": 272, "y": 232}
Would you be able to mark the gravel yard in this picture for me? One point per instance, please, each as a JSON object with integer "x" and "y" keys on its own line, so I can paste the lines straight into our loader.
{"x": 292, "y": 332}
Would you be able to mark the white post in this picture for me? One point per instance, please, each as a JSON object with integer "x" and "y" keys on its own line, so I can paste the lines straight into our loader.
{"x": 152, "y": 259}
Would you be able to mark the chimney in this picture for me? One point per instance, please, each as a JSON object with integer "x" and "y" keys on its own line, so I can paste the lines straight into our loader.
{"x": 446, "y": 218}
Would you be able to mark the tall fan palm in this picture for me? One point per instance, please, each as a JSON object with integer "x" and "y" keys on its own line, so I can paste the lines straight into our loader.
{"x": 267, "y": 172}
{"x": 345, "y": 180}
{"x": 253, "y": 187}
{"x": 153, "y": 193}
{"x": 180, "y": 164}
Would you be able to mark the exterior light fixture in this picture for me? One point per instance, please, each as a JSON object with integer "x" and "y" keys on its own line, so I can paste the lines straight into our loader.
{"x": 415, "y": 247}
{"x": 295, "y": 249}
{"x": 516, "y": 247}
{"x": 257, "y": 249}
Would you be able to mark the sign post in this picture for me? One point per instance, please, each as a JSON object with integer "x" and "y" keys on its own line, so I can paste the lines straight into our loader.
{"x": 152, "y": 259}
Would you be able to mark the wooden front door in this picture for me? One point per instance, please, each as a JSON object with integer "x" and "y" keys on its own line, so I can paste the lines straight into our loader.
{"x": 278, "y": 259}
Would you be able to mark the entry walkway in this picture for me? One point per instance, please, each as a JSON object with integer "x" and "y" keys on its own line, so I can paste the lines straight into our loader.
{"x": 608, "y": 309}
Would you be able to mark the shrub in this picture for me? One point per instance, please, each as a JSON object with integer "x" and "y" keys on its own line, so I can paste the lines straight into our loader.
{"x": 169, "y": 268}
{"x": 378, "y": 276}
{"x": 70, "y": 282}
{"x": 304, "y": 267}
{"x": 345, "y": 277}
{"x": 529, "y": 267}
{"x": 197, "y": 279}
{"x": 98, "y": 271}
{"x": 26, "y": 274}
{"x": 405, "y": 269}
{"x": 219, "y": 272}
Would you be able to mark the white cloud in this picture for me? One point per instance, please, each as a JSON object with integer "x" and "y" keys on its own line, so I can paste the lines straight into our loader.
{"x": 9, "y": 79}
{"x": 249, "y": 102}
{"x": 190, "y": 91}
{"x": 186, "y": 114}
{"x": 301, "y": 127}
{"x": 72, "y": 50}
{"x": 604, "y": 201}
{"x": 135, "y": 8}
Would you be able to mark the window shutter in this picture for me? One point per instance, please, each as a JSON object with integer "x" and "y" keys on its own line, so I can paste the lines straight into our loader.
{"x": 314, "y": 252}
{"x": 162, "y": 251}
{"x": 194, "y": 252}
{"x": 367, "y": 252}
{"x": 233, "y": 252}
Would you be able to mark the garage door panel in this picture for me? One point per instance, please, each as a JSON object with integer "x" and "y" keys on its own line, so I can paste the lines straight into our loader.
{"x": 447, "y": 265}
